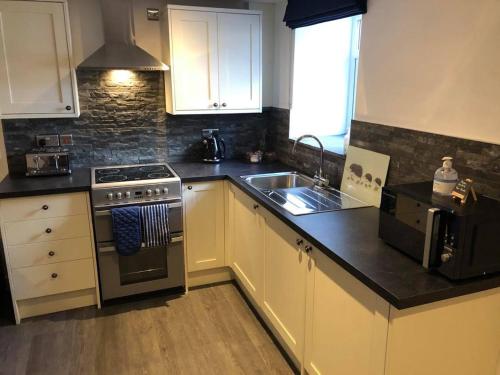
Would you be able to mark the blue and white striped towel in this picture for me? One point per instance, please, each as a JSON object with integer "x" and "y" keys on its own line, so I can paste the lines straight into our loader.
{"x": 155, "y": 230}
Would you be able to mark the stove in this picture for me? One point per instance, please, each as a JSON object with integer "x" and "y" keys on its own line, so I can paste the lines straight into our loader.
{"x": 129, "y": 184}
{"x": 150, "y": 269}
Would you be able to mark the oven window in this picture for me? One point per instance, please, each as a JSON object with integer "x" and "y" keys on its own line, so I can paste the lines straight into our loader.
{"x": 148, "y": 264}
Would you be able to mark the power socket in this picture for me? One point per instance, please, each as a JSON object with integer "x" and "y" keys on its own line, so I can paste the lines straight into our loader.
{"x": 66, "y": 139}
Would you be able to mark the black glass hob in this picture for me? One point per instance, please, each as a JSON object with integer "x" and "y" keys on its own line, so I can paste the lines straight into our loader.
{"x": 132, "y": 173}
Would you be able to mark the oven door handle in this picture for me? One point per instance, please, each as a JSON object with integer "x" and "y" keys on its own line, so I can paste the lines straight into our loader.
{"x": 107, "y": 212}
{"x": 112, "y": 249}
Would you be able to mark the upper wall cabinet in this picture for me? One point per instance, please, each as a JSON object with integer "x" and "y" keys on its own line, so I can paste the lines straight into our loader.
{"x": 36, "y": 75}
{"x": 215, "y": 60}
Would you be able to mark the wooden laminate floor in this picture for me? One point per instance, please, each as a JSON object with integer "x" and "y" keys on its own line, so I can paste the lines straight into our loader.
{"x": 209, "y": 331}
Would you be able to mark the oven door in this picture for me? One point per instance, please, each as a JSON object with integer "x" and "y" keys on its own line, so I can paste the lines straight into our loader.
{"x": 150, "y": 269}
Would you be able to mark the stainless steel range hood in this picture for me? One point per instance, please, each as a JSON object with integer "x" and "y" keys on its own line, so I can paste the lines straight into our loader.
{"x": 120, "y": 50}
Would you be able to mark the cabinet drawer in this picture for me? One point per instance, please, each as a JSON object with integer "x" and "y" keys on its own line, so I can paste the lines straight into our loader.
{"x": 25, "y": 232}
{"x": 40, "y": 253}
{"x": 45, "y": 206}
{"x": 31, "y": 282}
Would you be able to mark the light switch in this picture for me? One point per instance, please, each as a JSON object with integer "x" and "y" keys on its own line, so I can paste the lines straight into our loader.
{"x": 153, "y": 14}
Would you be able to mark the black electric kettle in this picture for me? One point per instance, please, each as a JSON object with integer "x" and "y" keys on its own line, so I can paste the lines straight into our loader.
{"x": 214, "y": 146}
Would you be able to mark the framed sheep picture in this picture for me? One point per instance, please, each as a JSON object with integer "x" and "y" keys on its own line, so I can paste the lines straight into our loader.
{"x": 365, "y": 173}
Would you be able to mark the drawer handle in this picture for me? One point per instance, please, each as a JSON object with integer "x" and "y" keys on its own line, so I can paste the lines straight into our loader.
{"x": 51, "y": 253}
{"x": 190, "y": 188}
{"x": 68, "y": 108}
{"x": 45, "y": 207}
{"x": 48, "y": 230}
{"x": 255, "y": 206}
{"x": 54, "y": 275}
{"x": 299, "y": 241}
{"x": 308, "y": 248}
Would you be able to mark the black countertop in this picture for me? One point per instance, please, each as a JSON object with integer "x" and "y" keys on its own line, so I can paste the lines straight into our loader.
{"x": 350, "y": 238}
{"x": 22, "y": 186}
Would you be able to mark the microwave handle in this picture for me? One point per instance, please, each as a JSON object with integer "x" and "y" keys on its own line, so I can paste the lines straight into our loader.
{"x": 431, "y": 236}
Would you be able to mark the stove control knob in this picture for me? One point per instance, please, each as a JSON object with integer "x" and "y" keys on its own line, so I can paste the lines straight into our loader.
{"x": 110, "y": 196}
{"x": 119, "y": 195}
{"x": 127, "y": 194}
{"x": 149, "y": 192}
{"x": 157, "y": 191}
{"x": 165, "y": 190}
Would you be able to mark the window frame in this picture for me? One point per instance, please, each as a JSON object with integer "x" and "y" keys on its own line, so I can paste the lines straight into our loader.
{"x": 353, "y": 81}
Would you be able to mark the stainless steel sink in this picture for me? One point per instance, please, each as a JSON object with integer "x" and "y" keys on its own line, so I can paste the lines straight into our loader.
{"x": 285, "y": 180}
{"x": 299, "y": 195}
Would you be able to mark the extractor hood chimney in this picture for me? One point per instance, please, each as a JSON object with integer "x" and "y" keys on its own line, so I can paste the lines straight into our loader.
{"x": 120, "y": 50}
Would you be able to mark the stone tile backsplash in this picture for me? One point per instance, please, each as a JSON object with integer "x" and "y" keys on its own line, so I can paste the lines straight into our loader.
{"x": 127, "y": 124}
{"x": 415, "y": 155}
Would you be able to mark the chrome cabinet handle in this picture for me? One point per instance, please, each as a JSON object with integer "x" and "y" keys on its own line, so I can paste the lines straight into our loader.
{"x": 68, "y": 108}
{"x": 224, "y": 104}
{"x": 308, "y": 248}
{"x": 216, "y": 105}
{"x": 51, "y": 253}
{"x": 45, "y": 207}
{"x": 48, "y": 230}
{"x": 299, "y": 241}
{"x": 190, "y": 187}
{"x": 54, "y": 275}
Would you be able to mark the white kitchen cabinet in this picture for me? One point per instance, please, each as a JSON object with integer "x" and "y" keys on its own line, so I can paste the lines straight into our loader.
{"x": 215, "y": 60}
{"x": 459, "y": 336}
{"x": 49, "y": 250}
{"x": 37, "y": 78}
{"x": 346, "y": 322}
{"x": 331, "y": 323}
{"x": 204, "y": 232}
{"x": 247, "y": 256}
{"x": 239, "y": 62}
{"x": 285, "y": 283}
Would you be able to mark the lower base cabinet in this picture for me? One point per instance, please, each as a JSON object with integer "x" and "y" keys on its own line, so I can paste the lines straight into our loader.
{"x": 248, "y": 241}
{"x": 330, "y": 323}
{"x": 204, "y": 225}
{"x": 285, "y": 267}
{"x": 459, "y": 336}
{"x": 48, "y": 245}
{"x": 346, "y": 323}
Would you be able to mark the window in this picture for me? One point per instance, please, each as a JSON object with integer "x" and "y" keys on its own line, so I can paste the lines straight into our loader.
{"x": 324, "y": 81}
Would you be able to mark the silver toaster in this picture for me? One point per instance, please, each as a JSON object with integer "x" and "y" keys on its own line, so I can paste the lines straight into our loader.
{"x": 49, "y": 161}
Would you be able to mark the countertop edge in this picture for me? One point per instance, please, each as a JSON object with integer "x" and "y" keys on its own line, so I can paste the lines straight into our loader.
{"x": 20, "y": 194}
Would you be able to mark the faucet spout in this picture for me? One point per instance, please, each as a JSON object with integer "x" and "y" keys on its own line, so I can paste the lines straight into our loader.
{"x": 320, "y": 179}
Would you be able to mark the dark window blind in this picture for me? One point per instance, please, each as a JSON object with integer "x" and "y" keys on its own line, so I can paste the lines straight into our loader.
{"x": 300, "y": 13}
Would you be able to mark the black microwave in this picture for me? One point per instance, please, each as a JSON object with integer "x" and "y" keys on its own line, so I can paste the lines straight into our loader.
{"x": 457, "y": 241}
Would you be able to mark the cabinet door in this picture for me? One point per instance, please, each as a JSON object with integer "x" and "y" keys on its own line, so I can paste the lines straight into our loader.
{"x": 239, "y": 61}
{"x": 204, "y": 210}
{"x": 285, "y": 283}
{"x": 36, "y": 78}
{"x": 248, "y": 245}
{"x": 346, "y": 323}
{"x": 193, "y": 43}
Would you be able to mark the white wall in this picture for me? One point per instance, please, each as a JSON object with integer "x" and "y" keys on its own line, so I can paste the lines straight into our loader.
{"x": 432, "y": 65}
{"x": 282, "y": 58}
{"x": 267, "y": 50}
{"x": 86, "y": 28}
{"x": 147, "y": 33}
